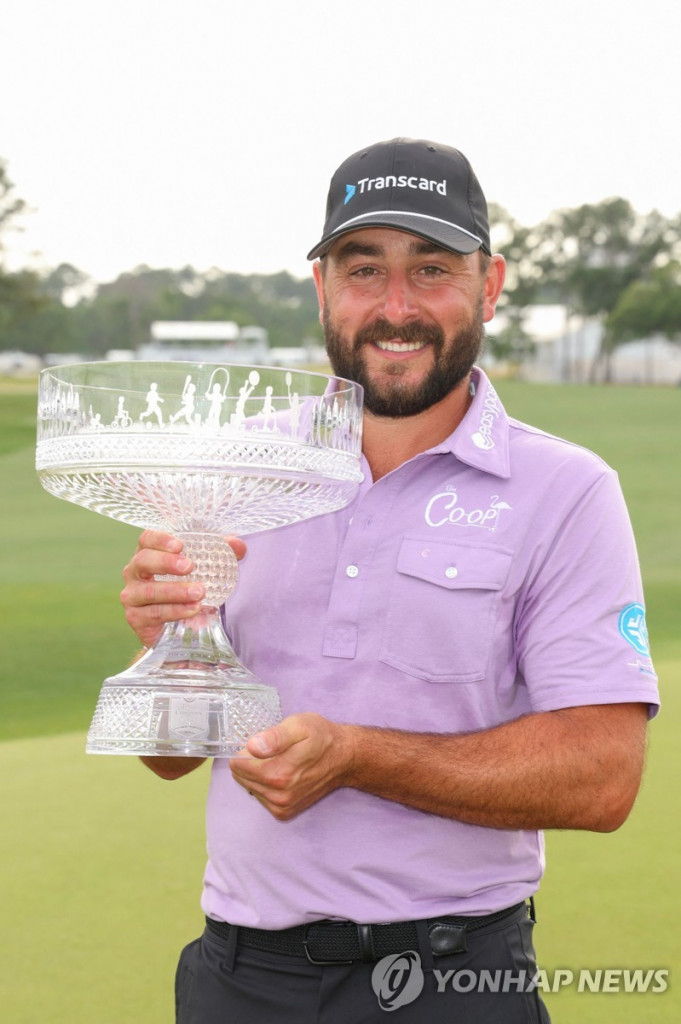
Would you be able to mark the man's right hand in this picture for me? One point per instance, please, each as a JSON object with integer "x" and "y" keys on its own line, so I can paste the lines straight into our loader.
{"x": 150, "y": 603}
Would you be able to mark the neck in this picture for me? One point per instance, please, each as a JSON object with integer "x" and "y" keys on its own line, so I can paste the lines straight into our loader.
{"x": 388, "y": 443}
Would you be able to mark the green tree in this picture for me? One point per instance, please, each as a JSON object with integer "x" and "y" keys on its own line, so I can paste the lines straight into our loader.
{"x": 20, "y": 293}
{"x": 588, "y": 256}
{"x": 651, "y": 305}
{"x": 521, "y": 289}
{"x": 11, "y": 205}
{"x": 67, "y": 284}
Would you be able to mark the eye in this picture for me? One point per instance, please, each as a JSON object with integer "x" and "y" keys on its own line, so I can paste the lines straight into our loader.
{"x": 432, "y": 271}
{"x": 363, "y": 271}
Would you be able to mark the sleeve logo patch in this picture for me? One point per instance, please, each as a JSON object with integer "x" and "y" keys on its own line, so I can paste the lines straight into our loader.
{"x": 632, "y": 626}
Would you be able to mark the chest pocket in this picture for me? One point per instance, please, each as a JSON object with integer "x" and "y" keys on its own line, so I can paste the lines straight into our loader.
{"x": 442, "y": 608}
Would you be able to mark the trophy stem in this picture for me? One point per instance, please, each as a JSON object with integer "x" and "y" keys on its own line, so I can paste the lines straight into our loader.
{"x": 193, "y": 652}
{"x": 189, "y": 696}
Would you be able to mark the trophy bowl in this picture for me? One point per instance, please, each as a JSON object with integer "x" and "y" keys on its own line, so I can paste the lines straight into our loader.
{"x": 198, "y": 450}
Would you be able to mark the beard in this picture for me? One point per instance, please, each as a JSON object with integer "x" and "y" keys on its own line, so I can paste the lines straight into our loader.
{"x": 393, "y": 396}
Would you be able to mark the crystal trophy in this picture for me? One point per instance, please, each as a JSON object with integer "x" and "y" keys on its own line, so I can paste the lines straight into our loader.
{"x": 200, "y": 451}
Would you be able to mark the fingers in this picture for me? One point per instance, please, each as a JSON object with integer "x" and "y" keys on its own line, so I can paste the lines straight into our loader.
{"x": 154, "y": 549}
{"x": 148, "y": 620}
{"x": 150, "y": 602}
{"x": 159, "y": 539}
{"x": 277, "y": 739}
{"x": 293, "y": 765}
{"x": 237, "y": 545}
{"x": 160, "y": 553}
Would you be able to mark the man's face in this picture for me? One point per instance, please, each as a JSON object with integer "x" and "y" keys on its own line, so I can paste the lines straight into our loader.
{"x": 402, "y": 317}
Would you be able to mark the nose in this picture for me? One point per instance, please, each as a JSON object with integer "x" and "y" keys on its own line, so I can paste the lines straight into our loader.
{"x": 398, "y": 302}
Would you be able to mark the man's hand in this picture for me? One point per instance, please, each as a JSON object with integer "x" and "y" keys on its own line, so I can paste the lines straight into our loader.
{"x": 150, "y": 603}
{"x": 576, "y": 768}
{"x": 295, "y": 763}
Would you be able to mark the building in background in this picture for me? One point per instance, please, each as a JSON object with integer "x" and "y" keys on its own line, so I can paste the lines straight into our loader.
{"x": 567, "y": 349}
{"x": 210, "y": 341}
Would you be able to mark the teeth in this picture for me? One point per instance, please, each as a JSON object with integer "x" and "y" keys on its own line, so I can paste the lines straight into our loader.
{"x": 400, "y": 346}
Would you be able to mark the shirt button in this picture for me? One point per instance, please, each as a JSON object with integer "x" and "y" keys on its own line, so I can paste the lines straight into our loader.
{"x": 352, "y": 571}
{"x": 451, "y": 572}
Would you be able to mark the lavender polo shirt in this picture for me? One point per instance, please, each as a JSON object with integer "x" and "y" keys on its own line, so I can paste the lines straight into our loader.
{"x": 492, "y": 576}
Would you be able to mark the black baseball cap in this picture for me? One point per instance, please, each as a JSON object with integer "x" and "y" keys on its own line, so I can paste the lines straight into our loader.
{"x": 413, "y": 185}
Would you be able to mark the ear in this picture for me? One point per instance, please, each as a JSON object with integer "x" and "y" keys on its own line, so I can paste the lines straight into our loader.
{"x": 319, "y": 285}
{"x": 494, "y": 283}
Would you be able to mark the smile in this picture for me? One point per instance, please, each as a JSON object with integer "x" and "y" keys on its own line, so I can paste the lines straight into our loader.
{"x": 400, "y": 346}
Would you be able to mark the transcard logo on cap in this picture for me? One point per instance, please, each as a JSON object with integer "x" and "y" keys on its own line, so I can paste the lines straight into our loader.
{"x": 412, "y": 185}
{"x": 395, "y": 181}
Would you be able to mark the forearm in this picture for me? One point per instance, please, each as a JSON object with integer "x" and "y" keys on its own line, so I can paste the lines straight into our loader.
{"x": 172, "y": 768}
{"x": 169, "y": 768}
{"x": 577, "y": 768}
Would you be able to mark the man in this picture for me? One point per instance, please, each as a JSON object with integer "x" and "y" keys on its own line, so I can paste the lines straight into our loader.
{"x": 460, "y": 654}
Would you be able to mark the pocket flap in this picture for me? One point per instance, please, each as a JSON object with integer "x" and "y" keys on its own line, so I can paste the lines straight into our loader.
{"x": 454, "y": 566}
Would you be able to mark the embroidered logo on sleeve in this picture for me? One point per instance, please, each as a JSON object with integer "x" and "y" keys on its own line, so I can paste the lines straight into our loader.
{"x": 632, "y": 626}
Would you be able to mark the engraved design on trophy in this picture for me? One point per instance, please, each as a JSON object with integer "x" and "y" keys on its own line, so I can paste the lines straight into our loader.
{"x": 200, "y": 451}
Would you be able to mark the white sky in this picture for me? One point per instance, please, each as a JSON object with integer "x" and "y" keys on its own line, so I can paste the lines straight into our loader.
{"x": 204, "y": 132}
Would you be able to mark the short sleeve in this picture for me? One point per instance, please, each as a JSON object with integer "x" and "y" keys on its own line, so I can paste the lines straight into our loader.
{"x": 580, "y": 628}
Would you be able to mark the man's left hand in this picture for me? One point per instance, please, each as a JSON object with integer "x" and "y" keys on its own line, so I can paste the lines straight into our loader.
{"x": 295, "y": 763}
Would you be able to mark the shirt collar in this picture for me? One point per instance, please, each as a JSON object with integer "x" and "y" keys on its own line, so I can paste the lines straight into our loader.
{"x": 481, "y": 440}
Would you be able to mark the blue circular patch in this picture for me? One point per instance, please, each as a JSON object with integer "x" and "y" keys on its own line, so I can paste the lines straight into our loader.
{"x": 632, "y": 626}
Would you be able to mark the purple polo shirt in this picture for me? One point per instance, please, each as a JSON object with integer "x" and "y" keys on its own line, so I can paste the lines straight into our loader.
{"x": 487, "y": 578}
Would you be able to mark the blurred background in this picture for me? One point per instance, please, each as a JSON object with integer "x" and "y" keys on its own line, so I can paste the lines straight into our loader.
{"x": 163, "y": 172}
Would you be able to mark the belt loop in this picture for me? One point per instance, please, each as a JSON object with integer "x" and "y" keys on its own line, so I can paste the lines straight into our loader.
{"x": 425, "y": 948}
{"x": 365, "y": 934}
{"x": 531, "y": 911}
{"x": 230, "y": 951}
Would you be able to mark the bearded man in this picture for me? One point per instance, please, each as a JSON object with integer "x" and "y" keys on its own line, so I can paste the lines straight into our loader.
{"x": 451, "y": 654}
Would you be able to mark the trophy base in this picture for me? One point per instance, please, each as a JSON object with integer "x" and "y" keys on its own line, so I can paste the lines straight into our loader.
{"x": 166, "y": 719}
{"x": 189, "y": 696}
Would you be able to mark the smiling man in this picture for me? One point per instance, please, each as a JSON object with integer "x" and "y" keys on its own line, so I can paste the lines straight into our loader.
{"x": 404, "y": 318}
{"x": 421, "y": 307}
{"x": 454, "y": 655}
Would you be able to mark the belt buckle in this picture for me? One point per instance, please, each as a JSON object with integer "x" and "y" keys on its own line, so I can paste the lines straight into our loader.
{"x": 320, "y": 963}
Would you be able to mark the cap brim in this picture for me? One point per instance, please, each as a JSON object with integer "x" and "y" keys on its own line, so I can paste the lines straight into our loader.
{"x": 441, "y": 232}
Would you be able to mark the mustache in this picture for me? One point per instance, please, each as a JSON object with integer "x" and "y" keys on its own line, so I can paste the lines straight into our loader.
{"x": 414, "y": 331}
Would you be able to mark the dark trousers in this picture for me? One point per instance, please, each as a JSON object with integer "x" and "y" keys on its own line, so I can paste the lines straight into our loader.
{"x": 219, "y": 982}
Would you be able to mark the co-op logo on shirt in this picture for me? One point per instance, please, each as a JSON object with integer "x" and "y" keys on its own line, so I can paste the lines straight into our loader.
{"x": 444, "y": 508}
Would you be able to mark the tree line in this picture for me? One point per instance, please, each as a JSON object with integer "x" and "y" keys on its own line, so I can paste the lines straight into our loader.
{"x": 603, "y": 260}
{"x": 599, "y": 260}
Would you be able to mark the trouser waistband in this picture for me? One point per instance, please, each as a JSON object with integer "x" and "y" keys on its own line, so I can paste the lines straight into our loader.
{"x": 333, "y": 942}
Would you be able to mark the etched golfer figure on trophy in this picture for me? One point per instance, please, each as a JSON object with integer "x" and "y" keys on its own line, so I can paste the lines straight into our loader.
{"x": 199, "y": 451}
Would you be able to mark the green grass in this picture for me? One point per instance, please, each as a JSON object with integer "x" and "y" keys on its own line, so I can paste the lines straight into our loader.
{"x": 102, "y": 862}
{"x": 17, "y": 421}
{"x": 613, "y": 900}
{"x": 101, "y": 867}
{"x": 61, "y": 625}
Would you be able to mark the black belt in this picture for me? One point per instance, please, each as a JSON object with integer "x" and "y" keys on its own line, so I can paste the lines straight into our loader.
{"x": 333, "y": 942}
